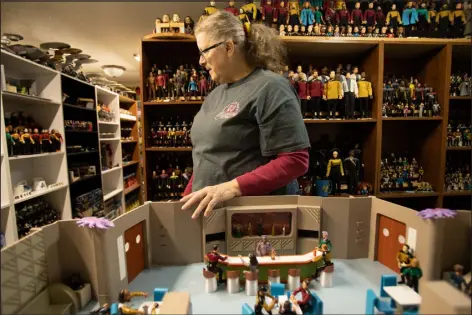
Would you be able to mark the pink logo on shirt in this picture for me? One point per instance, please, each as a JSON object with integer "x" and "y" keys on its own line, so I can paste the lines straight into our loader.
{"x": 229, "y": 111}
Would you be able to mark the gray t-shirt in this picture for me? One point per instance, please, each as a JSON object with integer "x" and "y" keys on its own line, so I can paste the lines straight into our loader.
{"x": 243, "y": 125}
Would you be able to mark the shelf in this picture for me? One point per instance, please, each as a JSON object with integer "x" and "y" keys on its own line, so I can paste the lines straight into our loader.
{"x": 126, "y": 117}
{"x": 78, "y": 80}
{"x": 112, "y": 194}
{"x": 130, "y": 189}
{"x": 111, "y": 170}
{"x": 406, "y": 195}
{"x": 124, "y": 99}
{"x": 5, "y": 205}
{"x": 110, "y": 139}
{"x": 31, "y": 156}
{"x": 108, "y": 123}
{"x": 469, "y": 98}
{"x": 173, "y": 103}
{"x": 26, "y": 99}
{"x": 78, "y": 107}
{"x": 125, "y": 164}
{"x": 339, "y": 121}
{"x": 35, "y": 194}
{"x": 80, "y": 131}
{"x": 24, "y": 65}
{"x": 129, "y": 141}
{"x": 156, "y": 149}
{"x": 457, "y": 193}
{"x": 412, "y": 118}
{"x": 82, "y": 153}
{"x": 83, "y": 179}
{"x": 459, "y": 148}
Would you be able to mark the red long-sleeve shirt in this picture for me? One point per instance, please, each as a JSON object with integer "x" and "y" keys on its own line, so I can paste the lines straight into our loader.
{"x": 301, "y": 89}
{"x": 306, "y": 296}
{"x": 268, "y": 10}
{"x": 356, "y": 16}
{"x": 343, "y": 16}
{"x": 369, "y": 15}
{"x": 315, "y": 88}
{"x": 232, "y": 10}
{"x": 271, "y": 176}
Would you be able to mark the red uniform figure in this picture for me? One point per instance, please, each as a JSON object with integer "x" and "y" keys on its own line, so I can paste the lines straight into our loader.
{"x": 343, "y": 17}
{"x": 302, "y": 92}
{"x": 161, "y": 85}
{"x": 356, "y": 15}
{"x": 305, "y": 302}
{"x": 276, "y": 3}
{"x": 268, "y": 13}
{"x": 231, "y": 9}
{"x": 203, "y": 86}
{"x": 330, "y": 15}
{"x": 315, "y": 92}
{"x": 37, "y": 141}
{"x": 45, "y": 141}
{"x": 379, "y": 18}
{"x": 213, "y": 258}
{"x": 369, "y": 16}
{"x": 281, "y": 14}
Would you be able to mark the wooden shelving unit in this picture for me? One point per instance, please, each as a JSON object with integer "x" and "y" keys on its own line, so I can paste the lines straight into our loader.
{"x": 46, "y": 111}
{"x": 130, "y": 147}
{"x": 429, "y": 60}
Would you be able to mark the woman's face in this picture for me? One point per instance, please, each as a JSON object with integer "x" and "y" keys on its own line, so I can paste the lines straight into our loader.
{"x": 215, "y": 60}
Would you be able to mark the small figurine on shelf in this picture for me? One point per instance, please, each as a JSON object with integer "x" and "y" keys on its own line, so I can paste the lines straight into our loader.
{"x": 307, "y": 15}
{"x": 294, "y": 13}
{"x": 369, "y": 16}
{"x": 335, "y": 172}
{"x": 352, "y": 167}
{"x": 458, "y": 21}
{"x": 281, "y": 16}
{"x": 365, "y": 93}
{"x": 263, "y": 247}
{"x": 261, "y": 302}
{"x": 10, "y": 142}
{"x": 36, "y": 138}
{"x": 457, "y": 277}
{"x": 413, "y": 274}
{"x": 189, "y": 25}
{"x": 302, "y": 92}
{"x": 423, "y": 21}
{"x": 342, "y": 16}
{"x": 214, "y": 257}
{"x": 325, "y": 241}
{"x": 356, "y": 15}
{"x": 151, "y": 85}
{"x": 393, "y": 18}
{"x": 443, "y": 20}
{"x": 27, "y": 142}
{"x": 282, "y": 30}
{"x": 268, "y": 13}
{"x": 231, "y": 9}
{"x": 56, "y": 140}
{"x": 124, "y": 300}
{"x": 403, "y": 259}
{"x": 350, "y": 91}
{"x": 409, "y": 19}
{"x": 211, "y": 8}
{"x": 192, "y": 88}
{"x": 315, "y": 92}
{"x": 250, "y": 9}
{"x": 330, "y": 14}
{"x": 318, "y": 16}
{"x": 379, "y": 18}
{"x": 333, "y": 92}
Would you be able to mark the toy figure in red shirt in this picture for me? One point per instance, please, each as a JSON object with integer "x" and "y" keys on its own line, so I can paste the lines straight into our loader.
{"x": 213, "y": 258}
{"x": 330, "y": 14}
{"x": 305, "y": 303}
{"x": 369, "y": 15}
{"x": 160, "y": 85}
{"x": 379, "y": 18}
{"x": 231, "y": 9}
{"x": 315, "y": 93}
{"x": 356, "y": 15}
{"x": 268, "y": 13}
{"x": 281, "y": 14}
{"x": 342, "y": 16}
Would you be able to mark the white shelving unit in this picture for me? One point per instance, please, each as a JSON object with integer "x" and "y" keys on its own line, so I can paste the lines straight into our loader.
{"x": 112, "y": 179}
{"x": 44, "y": 106}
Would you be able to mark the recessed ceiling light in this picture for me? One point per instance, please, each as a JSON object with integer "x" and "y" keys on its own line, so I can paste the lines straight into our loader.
{"x": 113, "y": 70}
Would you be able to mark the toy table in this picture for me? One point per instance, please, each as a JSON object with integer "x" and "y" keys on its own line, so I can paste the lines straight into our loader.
{"x": 150, "y": 304}
{"x": 404, "y": 296}
{"x": 307, "y": 264}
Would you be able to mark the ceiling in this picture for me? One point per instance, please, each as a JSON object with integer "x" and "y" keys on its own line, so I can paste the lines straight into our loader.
{"x": 110, "y": 32}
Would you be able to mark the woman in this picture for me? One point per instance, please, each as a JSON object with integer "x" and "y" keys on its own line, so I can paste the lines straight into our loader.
{"x": 249, "y": 137}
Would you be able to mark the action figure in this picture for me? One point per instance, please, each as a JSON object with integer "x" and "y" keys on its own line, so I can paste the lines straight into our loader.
{"x": 413, "y": 274}
{"x": 335, "y": 171}
{"x": 352, "y": 167}
{"x": 281, "y": 16}
{"x": 432, "y": 13}
{"x": 379, "y": 18}
{"x": 458, "y": 21}
{"x": 307, "y": 16}
{"x": 261, "y": 302}
{"x": 330, "y": 14}
{"x": 36, "y": 137}
{"x": 268, "y": 13}
{"x": 325, "y": 240}
{"x": 302, "y": 92}
{"x": 231, "y": 9}
{"x": 369, "y": 16}
{"x": 263, "y": 247}
{"x": 214, "y": 258}
{"x": 211, "y": 8}
{"x": 333, "y": 92}
{"x": 10, "y": 142}
{"x": 293, "y": 13}
{"x": 457, "y": 278}
{"x": 443, "y": 19}
{"x": 393, "y": 18}
{"x": 252, "y": 264}
{"x": 305, "y": 303}
{"x": 423, "y": 20}
{"x": 250, "y": 9}
{"x": 356, "y": 15}
{"x": 125, "y": 297}
{"x": 343, "y": 17}
{"x": 409, "y": 19}
{"x": 315, "y": 92}
{"x": 189, "y": 24}
{"x": 350, "y": 94}
{"x": 365, "y": 93}
{"x": 318, "y": 16}
{"x": 403, "y": 259}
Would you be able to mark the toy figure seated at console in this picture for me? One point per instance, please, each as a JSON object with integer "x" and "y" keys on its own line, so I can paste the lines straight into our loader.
{"x": 261, "y": 301}
{"x": 403, "y": 258}
{"x": 213, "y": 258}
{"x": 263, "y": 247}
{"x": 305, "y": 303}
{"x": 125, "y": 297}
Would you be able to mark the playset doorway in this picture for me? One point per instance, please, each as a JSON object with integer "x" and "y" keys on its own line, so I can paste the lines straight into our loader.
{"x": 391, "y": 235}
{"x": 134, "y": 248}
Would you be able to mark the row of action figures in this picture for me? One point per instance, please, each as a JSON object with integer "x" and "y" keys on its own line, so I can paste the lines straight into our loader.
{"x": 415, "y": 20}
{"x": 34, "y": 214}
{"x": 459, "y": 136}
{"x": 321, "y": 93}
{"x": 414, "y": 99}
{"x": 461, "y": 85}
{"x": 399, "y": 173}
{"x": 186, "y": 83}
{"x": 23, "y": 142}
{"x": 173, "y": 134}
{"x": 457, "y": 178}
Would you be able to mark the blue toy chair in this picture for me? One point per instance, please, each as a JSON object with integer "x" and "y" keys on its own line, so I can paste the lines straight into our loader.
{"x": 277, "y": 289}
{"x": 114, "y": 309}
{"x": 317, "y": 304}
{"x": 373, "y": 302}
{"x": 387, "y": 281}
{"x": 159, "y": 294}
{"x": 247, "y": 310}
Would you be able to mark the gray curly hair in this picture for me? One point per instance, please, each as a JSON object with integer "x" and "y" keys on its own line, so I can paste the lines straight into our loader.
{"x": 262, "y": 46}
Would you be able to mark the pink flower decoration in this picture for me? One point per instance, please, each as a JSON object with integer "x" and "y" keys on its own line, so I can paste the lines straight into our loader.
{"x": 437, "y": 213}
{"x": 94, "y": 222}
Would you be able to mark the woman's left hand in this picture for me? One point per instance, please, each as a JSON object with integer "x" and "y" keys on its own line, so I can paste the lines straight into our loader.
{"x": 208, "y": 197}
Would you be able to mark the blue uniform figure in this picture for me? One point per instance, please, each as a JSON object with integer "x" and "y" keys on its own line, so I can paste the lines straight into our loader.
{"x": 307, "y": 16}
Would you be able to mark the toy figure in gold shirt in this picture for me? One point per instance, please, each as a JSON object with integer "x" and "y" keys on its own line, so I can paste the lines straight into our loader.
{"x": 125, "y": 297}
{"x": 251, "y": 10}
{"x": 211, "y": 8}
{"x": 294, "y": 13}
{"x": 458, "y": 21}
{"x": 443, "y": 20}
{"x": 393, "y": 18}
{"x": 364, "y": 94}
{"x": 333, "y": 92}
{"x": 335, "y": 172}
{"x": 261, "y": 302}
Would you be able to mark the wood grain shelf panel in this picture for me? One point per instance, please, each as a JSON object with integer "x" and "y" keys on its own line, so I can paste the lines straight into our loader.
{"x": 339, "y": 121}
{"x": 457, "y": 193}
{"x": 393, "y": 195}
{"x": 459, "y": 148}
{"x": 125, "y": 164}
{"x": 464, "y": 98}
{"x": 130, "y": 189}
{"x": 157, "y": 149}
{"x": 438, "y": 118}
{"x": 173, "y": 103}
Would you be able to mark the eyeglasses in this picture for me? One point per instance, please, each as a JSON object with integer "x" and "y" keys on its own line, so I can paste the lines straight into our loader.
{"x": 204, "y": 51}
